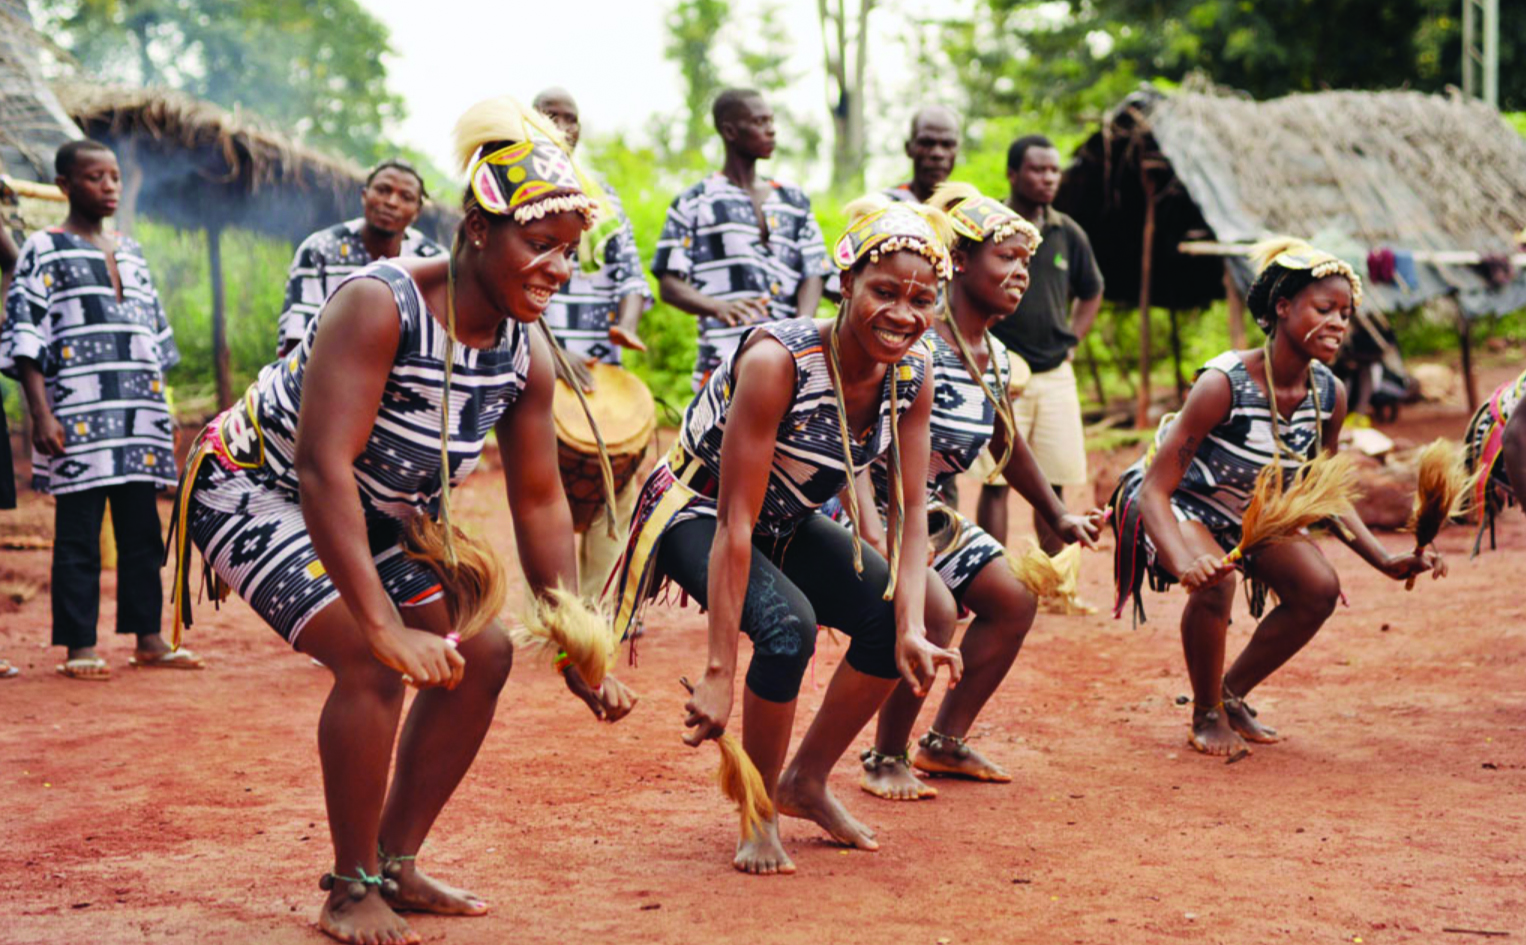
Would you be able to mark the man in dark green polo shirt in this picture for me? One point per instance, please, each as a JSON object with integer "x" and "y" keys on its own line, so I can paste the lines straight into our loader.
{"x": 1064, "y": 293}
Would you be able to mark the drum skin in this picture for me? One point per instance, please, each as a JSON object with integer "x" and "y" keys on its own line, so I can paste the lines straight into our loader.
{"x": 627, "y": 418}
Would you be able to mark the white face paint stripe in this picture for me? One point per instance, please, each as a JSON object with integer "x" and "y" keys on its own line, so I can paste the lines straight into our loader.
{"x": 558, "y": 248}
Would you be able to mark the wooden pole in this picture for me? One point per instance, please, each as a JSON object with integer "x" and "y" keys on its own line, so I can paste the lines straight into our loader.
{"x": 1236, "y": 311}
{"x": 220, "y": 358}
{"x": 1096, "y": 373}
{"x": 1176, "y": 358}
{"x": 1142, "y": 407}
{"x": 1469, "y": 382}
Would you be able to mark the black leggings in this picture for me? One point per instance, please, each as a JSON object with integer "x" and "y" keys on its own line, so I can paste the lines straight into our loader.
{"x": 794, "y": 583}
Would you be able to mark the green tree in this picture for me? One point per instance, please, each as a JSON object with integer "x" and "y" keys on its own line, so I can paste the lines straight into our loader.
{"x": 312, "y": 66}
{"x": 693, "y": 26}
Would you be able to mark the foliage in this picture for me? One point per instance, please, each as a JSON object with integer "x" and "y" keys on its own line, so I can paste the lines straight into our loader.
{"x": 1083, "y": 55}
{"x": 692, "y": 29}
{"x": 313, "y": 66}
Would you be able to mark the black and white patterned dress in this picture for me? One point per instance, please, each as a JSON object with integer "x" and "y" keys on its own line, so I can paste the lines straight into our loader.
{"x": 962, "y": 423}
{"x": 248, "y": 522}
{"x": 103, "y": 361}
{"x": 1216, "y": 488}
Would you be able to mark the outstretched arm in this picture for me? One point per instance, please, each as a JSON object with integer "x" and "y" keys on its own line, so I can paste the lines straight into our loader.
{"x": 342, "y": 390}
{"x": 764, "y": 389}
{"x": 1355, "y": 535}
{"x": 1022, "y": 473}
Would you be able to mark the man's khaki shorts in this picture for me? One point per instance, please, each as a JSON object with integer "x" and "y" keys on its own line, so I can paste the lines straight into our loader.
{"x": 1049, "y": 419}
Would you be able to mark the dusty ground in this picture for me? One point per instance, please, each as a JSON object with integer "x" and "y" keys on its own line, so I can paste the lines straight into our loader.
{"x": 187, "y": 807}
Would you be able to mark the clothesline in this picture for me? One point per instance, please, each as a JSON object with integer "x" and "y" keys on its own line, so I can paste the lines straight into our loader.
{"x": 1440, "y": 257}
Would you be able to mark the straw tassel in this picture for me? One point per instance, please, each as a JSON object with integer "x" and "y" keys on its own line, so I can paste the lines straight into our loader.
{"x": 559, "y": 624}
{"x": 741, "y": 782}
{"x": 1442, "y": 485}
{"x": 474, "y": 585}
{"x": 1322, "y": 488}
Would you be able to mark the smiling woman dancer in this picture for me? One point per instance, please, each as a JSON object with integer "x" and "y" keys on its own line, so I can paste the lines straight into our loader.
{"x": 337, "y": 448}
{"x": 764, "y": 444}
{"x": 971, "y": 408}
{"x": 1178, "y": 510}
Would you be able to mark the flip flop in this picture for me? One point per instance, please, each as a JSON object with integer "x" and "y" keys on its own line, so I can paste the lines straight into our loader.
{"x": 173, "y": 659}
{"x": 7, "y": 670}
{"x": 85, "y": 669}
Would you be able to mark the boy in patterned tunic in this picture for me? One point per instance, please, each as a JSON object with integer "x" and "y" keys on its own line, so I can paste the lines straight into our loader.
{"x": 87, "y": 338}
{"x": 738, "y": 249}
{"x": 391, "y": 200}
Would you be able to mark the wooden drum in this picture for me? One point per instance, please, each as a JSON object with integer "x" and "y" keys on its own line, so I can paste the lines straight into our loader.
{"x": 627, "y": 417}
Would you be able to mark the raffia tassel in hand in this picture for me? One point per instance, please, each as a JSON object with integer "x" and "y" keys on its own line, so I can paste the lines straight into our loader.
{"x": 474, "y": 585}
{"x": 560, "y": 625}
{"x": 1443, "y": 483}
{"x": 1051, "y": 580}
{"x": 1323, "y": 488}
{"x": 741, "y": 782}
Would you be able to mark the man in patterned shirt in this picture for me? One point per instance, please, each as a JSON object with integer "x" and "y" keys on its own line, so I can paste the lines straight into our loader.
{"x": 594, "y": 315}
{"x": 933, "y": 146}
{"x": 737, "y": 249}
{"x": 87, "y": 338}
{"x": 391, "y": 201}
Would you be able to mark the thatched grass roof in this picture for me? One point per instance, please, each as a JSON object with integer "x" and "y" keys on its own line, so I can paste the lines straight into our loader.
{"x": 203, "y": 163}
{"x": 1354, "y": 170}
{"x": 32, "y": 124}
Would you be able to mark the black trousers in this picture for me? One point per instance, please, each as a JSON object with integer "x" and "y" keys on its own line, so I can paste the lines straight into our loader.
{"x": 77, "y": 561}
{"x": 792, "y": 584}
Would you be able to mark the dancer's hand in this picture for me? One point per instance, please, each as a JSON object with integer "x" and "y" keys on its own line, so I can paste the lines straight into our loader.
{"x": 1081, "y": 528}
{"x": 1205, "y": 571}
{"x": 611, "y": 702}
{"x": 1400, "y": 567}
{"x": 918, "y": 660}
{"x": 709, "y": 707}
{"x": 425, "y": 659}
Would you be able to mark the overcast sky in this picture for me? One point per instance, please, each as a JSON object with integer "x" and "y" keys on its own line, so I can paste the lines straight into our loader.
{"x": 608, "y": 53}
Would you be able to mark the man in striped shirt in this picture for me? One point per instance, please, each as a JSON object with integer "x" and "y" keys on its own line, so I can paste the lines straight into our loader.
{"x": 88, "y": 339}
{"x": 738, "y": 249}
{"x": 391, "y": 200}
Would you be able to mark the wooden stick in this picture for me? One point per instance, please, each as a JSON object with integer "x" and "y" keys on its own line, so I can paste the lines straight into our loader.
{"x": 1484, "y": 932}
{"x": 1439, "y": 257}
{"x": 26, "y": 188}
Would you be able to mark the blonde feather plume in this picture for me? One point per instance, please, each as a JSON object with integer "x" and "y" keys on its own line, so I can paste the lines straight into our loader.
{"x": 499, "y": 119}
{"x": 1441, "y": 488}
{"x": 474, "y": 587}
{"x": 1262, "y": 254}
{"x": 950, "y": 192}
{"x": 1323, "y": 488}
{"x": 743, "y": 784}
{"x": 559, "y": 621}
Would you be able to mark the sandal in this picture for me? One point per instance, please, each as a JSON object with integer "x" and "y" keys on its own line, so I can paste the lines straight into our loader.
{"x": 7, "y": 670}
{"x": 86, "y": 668}
{"x": 171, "y": 659}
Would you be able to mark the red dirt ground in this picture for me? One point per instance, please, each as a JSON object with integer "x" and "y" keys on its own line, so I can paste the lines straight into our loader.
{"x": 187, "y": 807}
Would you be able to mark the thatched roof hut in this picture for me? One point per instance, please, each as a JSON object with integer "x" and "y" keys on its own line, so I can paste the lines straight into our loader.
{"x": 196, "y": 165}
{"x": 32, "y": 123}
{"x": 1353, "y": 171}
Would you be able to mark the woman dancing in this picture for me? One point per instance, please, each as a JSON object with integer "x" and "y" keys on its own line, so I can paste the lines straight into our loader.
{"x": 337, "y": 448}
{"x": 990, "y": 253}
{"x": 1178, "y": 510}
{"x": 777, "y": 431}
{"x": 1495, "y": 447}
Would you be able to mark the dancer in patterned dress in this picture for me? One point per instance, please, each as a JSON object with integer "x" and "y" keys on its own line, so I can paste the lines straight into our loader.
{"x": 1178, "y": 510}
{"x": 88, "y": 339}
{"x": 309, "y": 482}
{"x": 391, "y": 201}
{"x": 1496, "y": 455}
{"x": 730, "y": 517}
{"x": 990, "y": 252}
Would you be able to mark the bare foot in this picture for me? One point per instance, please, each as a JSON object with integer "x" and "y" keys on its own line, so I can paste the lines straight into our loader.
{"x": 890, "y": 777}
{"x": 417, "y": 891}
{"x": 368, "y": 921}
{"x": 814, "y": 802}
{"x": 1212, "y": 735}
{"x": 1242, "y": 718}
{"x": 944, "y": 754}
{"x": 763, "y": 855}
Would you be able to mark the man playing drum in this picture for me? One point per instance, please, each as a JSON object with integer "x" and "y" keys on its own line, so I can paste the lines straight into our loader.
{"x": 595, "y": 314}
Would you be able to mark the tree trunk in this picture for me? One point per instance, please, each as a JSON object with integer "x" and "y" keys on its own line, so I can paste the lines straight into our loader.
{"x": 847, "y": 109}
{"x": 220, "y": 360}
{"x": 1142, "y": 406}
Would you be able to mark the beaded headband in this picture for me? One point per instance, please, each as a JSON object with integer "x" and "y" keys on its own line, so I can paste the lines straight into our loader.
{"x": 1319, "y": 264}
{"x": 530, "y": 179}
{"x": 980, "y": 218}
{"x": 894, "y": 228}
